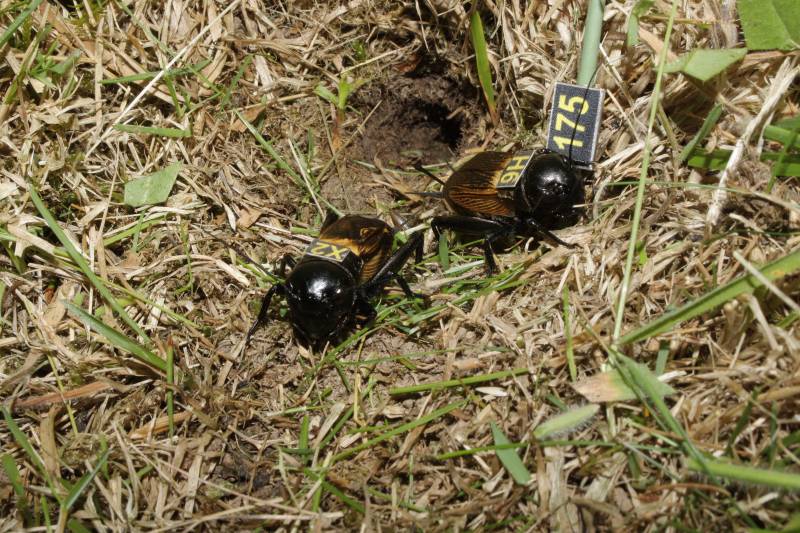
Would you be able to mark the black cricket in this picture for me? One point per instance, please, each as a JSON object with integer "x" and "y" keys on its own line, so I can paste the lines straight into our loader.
{"x": 501, "y": 194}
{"x": 341, "y": 272}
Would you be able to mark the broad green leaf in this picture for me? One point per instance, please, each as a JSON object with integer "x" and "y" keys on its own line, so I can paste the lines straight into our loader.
{"x": 705, "y": 64}
{"x": 641, "y": 7}
{"x": 482, "y": 61}
{"x": 152, "y": 189}
{"x": 173, "y": 133}
{"x": 610, "y": 387}
{"x": 509, "y": 458}
{"x": 565, "y": 422}
{"x": 770, "y": 24}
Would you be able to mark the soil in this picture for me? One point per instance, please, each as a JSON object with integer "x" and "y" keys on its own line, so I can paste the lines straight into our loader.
{"x": 423, "y": 116}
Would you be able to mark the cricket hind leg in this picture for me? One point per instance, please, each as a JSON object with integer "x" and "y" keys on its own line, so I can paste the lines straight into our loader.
{"x": 490, "y": 230}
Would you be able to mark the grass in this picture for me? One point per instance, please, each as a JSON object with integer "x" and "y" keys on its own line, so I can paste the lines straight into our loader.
{"x": 129, "y": 401}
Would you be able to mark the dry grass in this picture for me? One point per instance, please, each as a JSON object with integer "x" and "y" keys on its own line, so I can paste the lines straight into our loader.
{"x": 277, "y": 436}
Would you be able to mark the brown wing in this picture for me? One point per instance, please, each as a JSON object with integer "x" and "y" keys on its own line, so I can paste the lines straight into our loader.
{"x": 368, "y": 238}
{"x": 472, "y": 187}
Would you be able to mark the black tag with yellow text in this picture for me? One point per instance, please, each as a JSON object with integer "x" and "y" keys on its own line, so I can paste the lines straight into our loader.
{"x": 513, "y": 171}
{"x": 327, "y": 250}
{"x": 575, "y": 122}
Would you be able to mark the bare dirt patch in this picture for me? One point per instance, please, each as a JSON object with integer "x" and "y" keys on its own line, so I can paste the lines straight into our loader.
{"x": 424, "y": 116}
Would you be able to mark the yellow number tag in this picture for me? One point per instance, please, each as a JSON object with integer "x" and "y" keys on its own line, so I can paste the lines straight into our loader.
{"x": 327, "y": 250}
{"x": 514, "y": 169}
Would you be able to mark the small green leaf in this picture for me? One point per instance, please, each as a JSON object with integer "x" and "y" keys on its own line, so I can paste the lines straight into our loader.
{"x": 324, "y": 93}
{"x": 482, "y": 62}
{"x": 152, "y": 189}
{"x": 705, "y": 64}
{"x": 641, "y": 7}
{"x": 770, "y": 24}
{"x": 566, "y": 421}
{"x": 173, "y": 133}
{"x": 12, "y": 472}
{"x": 509, "y": 458}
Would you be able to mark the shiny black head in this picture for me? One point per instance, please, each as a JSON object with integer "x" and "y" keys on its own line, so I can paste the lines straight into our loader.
{"x": 321, "y": 297}
{"x": 549, "y": 190}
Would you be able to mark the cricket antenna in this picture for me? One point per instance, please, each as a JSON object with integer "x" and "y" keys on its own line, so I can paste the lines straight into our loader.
{"x": 418, "y": 167}
{"x": 583, "y": 105}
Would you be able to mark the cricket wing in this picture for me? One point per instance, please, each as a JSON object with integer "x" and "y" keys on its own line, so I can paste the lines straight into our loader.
{"x": 369, "y": 238}
{"x": 472, "y": 187}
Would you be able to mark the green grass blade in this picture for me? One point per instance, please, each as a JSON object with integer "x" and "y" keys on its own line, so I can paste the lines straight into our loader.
{"x": 480, "y": 449}
{"x": 173, "y": 133}
{"x": 637, "y": 211}
{"x": 708, "y": 124}
{"x": 649, "y": 389}
{"x": 482, "y": 62}
{"x": 77, "y": 489}
{"x": 509, "y": 458}
{"x": 640, "y": 8}
{"x": 170, "y": 385}
{"x": 746, "y": 284}
{"x": 347, "y": 500}
{"x": 267, "y": 146}
{"x": 590, "y": 48}
{"x": 12, "y": 472}
{"x": 79, "y": 260}
{"x": 18, "y": 21}
{"x": 399, "y": 430}
{"x": 118, "y": 339}
{"x": 570, "y": 353}
{"x": 472, "y": 380}
{"x": 142, "y": 76}
{"x": 789, "y": 140}
{"x": 747, "y": 474}
{"x": 25, "y": 444}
